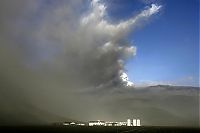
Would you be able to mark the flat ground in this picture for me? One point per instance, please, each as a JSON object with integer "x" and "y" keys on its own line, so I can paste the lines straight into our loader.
{"x": 86, "y": 129}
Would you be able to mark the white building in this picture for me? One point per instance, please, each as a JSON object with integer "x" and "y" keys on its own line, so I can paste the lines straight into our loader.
{"x": 138, "y": 122}
{"x": 97, "y": 123}
{"x": 66, "y": 123}
{"x": 72, "y": 123}
{"x": 111, "y": 123}
{"x": 69, "y": 123}
{"x": 80, "y": 124}
{"x": 134, "y": 122}
{"x": 121, "y": 124}
{"x": 129, "y": 122}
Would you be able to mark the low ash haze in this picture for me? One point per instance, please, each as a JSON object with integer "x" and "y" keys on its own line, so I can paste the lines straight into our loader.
{"x": 66, "y": 60}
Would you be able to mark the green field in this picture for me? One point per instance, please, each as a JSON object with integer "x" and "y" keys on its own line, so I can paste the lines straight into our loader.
{"x": 86, "y": 129}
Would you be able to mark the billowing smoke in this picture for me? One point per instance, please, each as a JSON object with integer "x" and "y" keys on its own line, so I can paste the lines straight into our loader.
{"x": 109, "y": 40}
{"x": 82, "y": 49}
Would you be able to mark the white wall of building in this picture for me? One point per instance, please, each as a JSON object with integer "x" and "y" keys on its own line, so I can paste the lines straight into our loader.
{"x": 97, "y": 123}
{"x": 134, "y": 122}
{"x": 138, "y": 122}
{"x": 129, "y": 122}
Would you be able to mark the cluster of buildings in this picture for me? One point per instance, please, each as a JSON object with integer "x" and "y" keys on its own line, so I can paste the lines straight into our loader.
{"x": 73, "y": 124}
{"x": 129, "y": 122}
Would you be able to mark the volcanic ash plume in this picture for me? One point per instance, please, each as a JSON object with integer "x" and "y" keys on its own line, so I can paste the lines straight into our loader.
{"x": 80, "y": 48}
{"x": 109, "y": 41}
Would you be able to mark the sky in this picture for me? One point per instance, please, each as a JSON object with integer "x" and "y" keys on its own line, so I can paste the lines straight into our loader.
{"x": 167, "y": 46}
{"x": 77, "y": 59}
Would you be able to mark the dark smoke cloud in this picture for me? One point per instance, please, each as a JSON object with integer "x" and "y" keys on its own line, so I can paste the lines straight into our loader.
{"x": 57, "y": 60}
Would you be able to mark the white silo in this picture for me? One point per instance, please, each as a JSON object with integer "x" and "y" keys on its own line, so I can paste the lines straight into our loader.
{"x": 138, "y": 122}
{"x": 129, "y": 122}
{"x": 134, "y": 122}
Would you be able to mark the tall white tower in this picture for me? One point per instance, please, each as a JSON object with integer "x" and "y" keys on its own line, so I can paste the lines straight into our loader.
{"x": 134, "y": 122}
{"x": 129, "y": 122}
{"x": 138, "y": 122}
